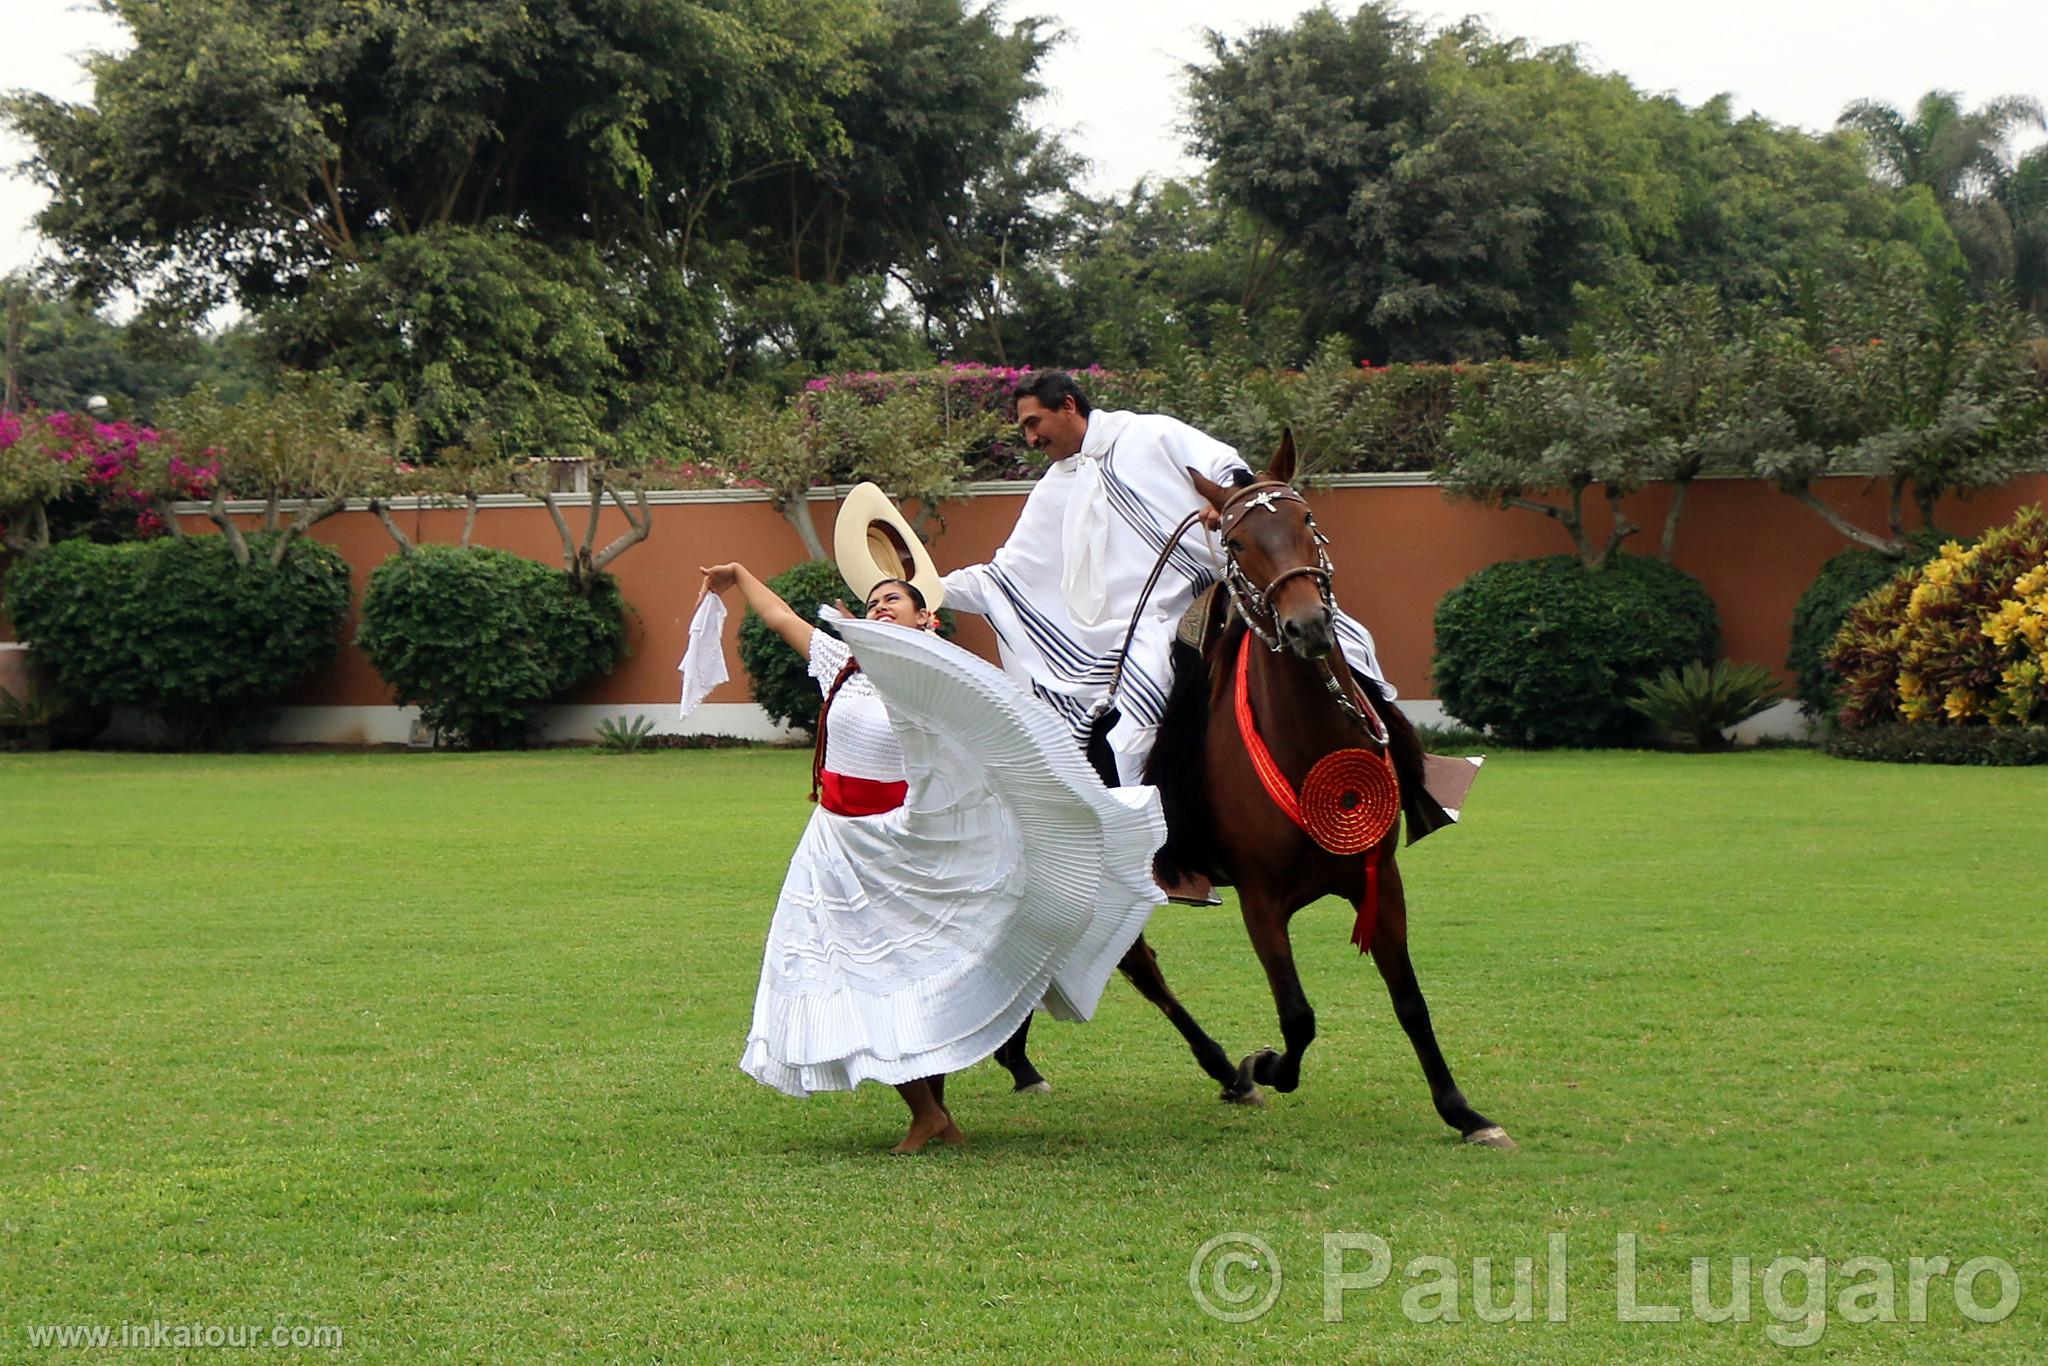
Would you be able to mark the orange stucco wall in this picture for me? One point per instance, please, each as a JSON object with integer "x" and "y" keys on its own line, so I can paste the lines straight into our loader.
{"x": 1397, "y": 551}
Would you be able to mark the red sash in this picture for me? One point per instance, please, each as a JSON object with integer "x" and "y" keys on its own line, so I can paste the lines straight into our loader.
{"x": 844, "y": 795}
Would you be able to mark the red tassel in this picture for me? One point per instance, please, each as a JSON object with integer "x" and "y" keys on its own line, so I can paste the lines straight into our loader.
{"x": 1369, "y": 905}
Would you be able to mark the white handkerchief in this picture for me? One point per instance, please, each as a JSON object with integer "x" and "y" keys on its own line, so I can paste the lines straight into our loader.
{"x": 1085, "y": 542}
{"x": 703, "y": 665}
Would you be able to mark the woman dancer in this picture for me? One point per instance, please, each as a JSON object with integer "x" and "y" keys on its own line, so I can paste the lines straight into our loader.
{"x": 963, "y": 866}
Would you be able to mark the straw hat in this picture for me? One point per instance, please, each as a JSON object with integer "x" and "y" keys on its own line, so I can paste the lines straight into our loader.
{"x": 872, "y": 542}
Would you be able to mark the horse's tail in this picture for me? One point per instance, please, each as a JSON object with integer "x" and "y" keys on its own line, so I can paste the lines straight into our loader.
{"x": 1179, "y": 767}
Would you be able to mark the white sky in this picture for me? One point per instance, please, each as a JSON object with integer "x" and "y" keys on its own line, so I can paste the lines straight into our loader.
{"x": 1116, "y": 80}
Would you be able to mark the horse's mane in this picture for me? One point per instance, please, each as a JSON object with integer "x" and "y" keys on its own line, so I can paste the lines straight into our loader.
{"x": 1178, "y": 765}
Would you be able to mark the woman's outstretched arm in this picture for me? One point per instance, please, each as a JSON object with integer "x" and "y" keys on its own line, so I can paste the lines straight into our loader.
{"x": 781, "y": 618}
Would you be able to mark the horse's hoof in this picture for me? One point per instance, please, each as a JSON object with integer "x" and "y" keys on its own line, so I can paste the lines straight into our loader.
{"x": 1245, "y": 1090}
{"x": 1041, "y": 1087}
{"x": 1492, "y": 1136}
{"x": 1257, "y": 1067}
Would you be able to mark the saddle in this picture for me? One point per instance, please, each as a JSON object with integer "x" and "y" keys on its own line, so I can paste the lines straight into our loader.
{"x": 1203, "y": 622}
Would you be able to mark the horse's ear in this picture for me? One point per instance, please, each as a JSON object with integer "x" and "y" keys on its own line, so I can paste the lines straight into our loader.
{"x": 1282, "y": 469}
{"x": 1208, "y": 488}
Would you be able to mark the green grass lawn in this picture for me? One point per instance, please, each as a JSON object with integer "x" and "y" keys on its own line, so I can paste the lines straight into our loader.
{"x": 441, "y": 1050}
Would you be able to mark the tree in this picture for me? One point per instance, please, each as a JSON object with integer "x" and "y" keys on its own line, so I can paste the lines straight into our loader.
{"x": 1688, "y": 366}
{"x": 1960, "y": 155}
{"x": 782, "y": 332}
{"x": 32, "y": 478}
{"x": 67, "y": 352}
{"x": 1661, "y": 386}
{"x": 2024, "y": 196}
{"x": 1957, "y": 153}
{"x": 1445, "y": 189}
{"x": 912, "y": 442}
{"x": 1907, "y": 381}
{"x": 460, "y": 473}
{"x": 1135, "y": 279}
{"x": 1553, "y": 429}
{"x": 1664, "y": 385}
{"x": 452, "y": 327}
{"x": 937, "y": 185}
{"x": 243, "y": 146}
{"x": 934, "y": 110}
{"x": 967, "y": 277}
{"x": 582, "y": 561}
{"x": 313, "y": 442}
{"x": 1760, "y": 202}
{"x": 536, "y": 213}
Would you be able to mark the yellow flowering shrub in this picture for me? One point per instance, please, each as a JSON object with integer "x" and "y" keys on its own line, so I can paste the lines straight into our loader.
{"x": 1959, "y": 640}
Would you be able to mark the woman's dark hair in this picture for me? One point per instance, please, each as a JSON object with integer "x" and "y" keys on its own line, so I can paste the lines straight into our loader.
{"x": 1052, "y": 388}
{"x": 908, "y": 587}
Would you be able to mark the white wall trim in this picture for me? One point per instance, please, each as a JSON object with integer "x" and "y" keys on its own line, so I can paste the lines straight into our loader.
{"x": 736, "y": 720}
{"x": 1781, "y": 721}
{"x": 567, "y": 723}
{"x": 392, "y": 725}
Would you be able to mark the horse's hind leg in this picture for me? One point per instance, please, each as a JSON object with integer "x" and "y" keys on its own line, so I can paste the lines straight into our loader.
{"x": 1267, "y": 927}
{"x": 1390, "y": 955}
{"x": 1141, "y": 966}
{"x": 1012, "y": 1056}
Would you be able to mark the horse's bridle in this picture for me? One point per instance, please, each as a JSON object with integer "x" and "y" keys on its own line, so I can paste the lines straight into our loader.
{"x": 1255, "y": 604}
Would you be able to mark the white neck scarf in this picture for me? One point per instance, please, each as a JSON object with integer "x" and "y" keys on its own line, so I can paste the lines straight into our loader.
{"x": 1084, "y": 535}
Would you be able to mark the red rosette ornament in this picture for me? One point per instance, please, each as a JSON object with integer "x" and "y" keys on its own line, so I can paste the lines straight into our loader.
{"x": 1350, "y": 800}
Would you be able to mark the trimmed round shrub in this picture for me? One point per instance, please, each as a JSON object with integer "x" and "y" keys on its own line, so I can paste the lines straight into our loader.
{"x": 1548, "y": 652}
{"x": 1843, "y": 581}
{"x": 480, "y": 639}
{"x": 781, "y": 677}
{"x": 180, "y": 629}
{"x": 1961, "y": 640}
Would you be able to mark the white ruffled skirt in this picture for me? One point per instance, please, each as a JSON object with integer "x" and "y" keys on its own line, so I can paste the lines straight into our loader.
{"x": 915, "y": 942}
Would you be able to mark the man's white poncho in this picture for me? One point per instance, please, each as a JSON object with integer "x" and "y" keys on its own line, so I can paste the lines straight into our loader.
{"x": 1061, "y": 591}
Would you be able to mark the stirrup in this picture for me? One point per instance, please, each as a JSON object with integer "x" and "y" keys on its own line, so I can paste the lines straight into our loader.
{"x": 1192, "y": 890}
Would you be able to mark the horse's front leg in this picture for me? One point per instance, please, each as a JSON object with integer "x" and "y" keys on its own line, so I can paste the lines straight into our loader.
{"x": 1390, "y": 956}
{"x": 1266, "y": 922}
{"x": 1141, "y": 966}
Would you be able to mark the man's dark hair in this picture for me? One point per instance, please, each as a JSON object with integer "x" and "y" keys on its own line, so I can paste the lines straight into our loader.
{"x": 1052, "y": 388}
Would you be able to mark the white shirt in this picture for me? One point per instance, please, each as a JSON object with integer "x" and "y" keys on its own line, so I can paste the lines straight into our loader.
{"x": 859, "y": 741}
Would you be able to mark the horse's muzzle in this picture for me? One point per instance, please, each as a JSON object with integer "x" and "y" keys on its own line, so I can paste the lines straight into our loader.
{"x": 1308, "y": 633}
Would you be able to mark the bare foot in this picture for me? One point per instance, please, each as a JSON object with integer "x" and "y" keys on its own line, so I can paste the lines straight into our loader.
{"x": 921, "y": 1133}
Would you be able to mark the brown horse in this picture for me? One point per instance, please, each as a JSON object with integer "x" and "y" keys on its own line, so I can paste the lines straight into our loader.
{"x": 1226, "y": 820}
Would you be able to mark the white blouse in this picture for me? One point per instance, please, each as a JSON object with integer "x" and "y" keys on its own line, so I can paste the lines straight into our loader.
{"x": 859, "y": 741}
